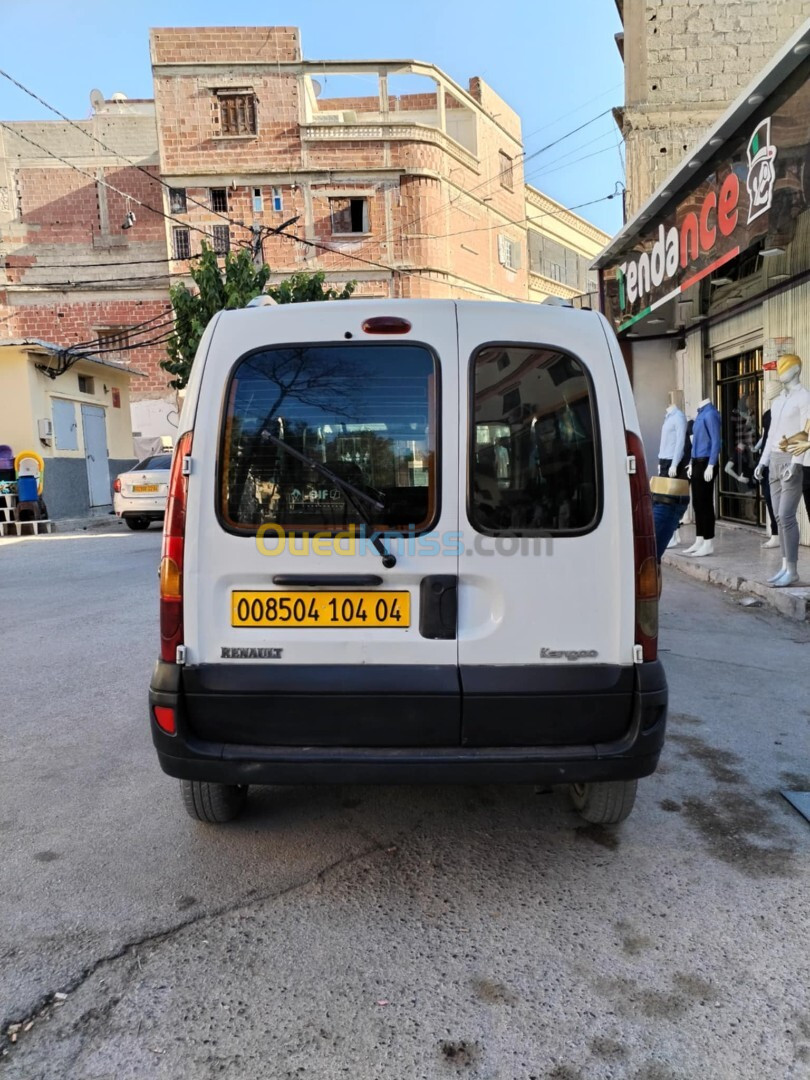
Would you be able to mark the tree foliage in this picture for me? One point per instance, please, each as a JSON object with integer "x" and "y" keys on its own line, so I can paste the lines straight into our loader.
{"x": 229, "y": 286}
{"x": 302, "y": 288}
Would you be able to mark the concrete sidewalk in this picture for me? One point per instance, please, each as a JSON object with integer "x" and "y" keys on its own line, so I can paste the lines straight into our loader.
{"x": 741, "y": 564}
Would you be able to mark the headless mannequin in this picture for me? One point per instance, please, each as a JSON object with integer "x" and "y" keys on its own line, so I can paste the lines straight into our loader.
{"x": 703, "y": 545}
{"x": 772, "y": 389}
{"x": 671, "y": 454}
{"x": 791, "y": 409}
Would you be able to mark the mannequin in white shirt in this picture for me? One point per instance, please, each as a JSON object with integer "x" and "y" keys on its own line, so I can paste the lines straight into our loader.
{"x": 671, "y": 449}
{"x": 790, "y": 413}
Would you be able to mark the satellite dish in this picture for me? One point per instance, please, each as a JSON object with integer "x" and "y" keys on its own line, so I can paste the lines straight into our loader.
{"x": 96, "y": 100}
{"x": 317, "y": 89}
{"x": 119, "y": 96}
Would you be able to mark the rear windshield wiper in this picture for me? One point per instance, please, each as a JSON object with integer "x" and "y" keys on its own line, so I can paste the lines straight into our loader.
{"x": 355, "y": 496}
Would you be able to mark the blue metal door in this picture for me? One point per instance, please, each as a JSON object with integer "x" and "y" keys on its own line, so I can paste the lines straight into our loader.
{"x": 95, "y": 451}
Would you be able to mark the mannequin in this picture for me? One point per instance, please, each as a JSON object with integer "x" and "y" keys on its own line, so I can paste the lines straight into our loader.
{"x": 771, "y": 389}
{"x": 705, "y": 452}
{"x": 784, "y": 455}
{"x": 670, "y": 500}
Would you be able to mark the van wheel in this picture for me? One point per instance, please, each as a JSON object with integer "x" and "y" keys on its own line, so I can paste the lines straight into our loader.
{"x": 606, "y": 802}
{"x": 213, "y": 803}
{"x": 137, "y": 523}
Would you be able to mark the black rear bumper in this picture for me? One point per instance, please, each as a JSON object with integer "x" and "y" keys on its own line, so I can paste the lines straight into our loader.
{"x": 615, "y": 720}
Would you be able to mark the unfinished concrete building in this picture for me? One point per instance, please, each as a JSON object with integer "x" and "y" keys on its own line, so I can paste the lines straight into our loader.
{"x": 684, "y": 63}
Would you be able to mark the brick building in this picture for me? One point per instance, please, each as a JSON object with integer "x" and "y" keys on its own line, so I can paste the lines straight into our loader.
{"x": 69, "y": 271}
{"x": 684, "y": 64}
{"x": 385, "y": 172}
{"x": 399, "y": 178}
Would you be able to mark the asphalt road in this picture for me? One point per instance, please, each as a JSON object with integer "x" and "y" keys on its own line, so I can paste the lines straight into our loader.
{"x": 392, "y": 932}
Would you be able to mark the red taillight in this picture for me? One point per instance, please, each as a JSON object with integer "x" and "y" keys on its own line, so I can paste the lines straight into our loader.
{"x": 117, "y": 484}
{"x": 647, "y": 572}
{"x": 386, "y": 324}
{"x": 164, "y": 718}
{"x": 171, "y": 557}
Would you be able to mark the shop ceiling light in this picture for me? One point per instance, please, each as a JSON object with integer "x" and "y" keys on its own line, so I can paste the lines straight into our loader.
{"x": 694, "y": 163}
{"x": 721, "y": 280}
{"x": 772, "y": 251}
{"x": 654, "y": 322}
{"x": 801, "y": 48}
{"x": 778, "y": 277}
{"x": 755, "y": 99}
{"x": 715, "y": 141}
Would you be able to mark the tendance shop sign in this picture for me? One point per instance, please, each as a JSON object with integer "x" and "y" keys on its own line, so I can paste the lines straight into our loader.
{"x": 758, "y": 192}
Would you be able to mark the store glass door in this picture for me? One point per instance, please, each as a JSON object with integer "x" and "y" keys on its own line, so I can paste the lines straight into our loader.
{"x": 738, "y": 382}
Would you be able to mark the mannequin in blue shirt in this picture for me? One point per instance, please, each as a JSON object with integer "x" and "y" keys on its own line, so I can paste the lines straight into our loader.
{"x": 706, "y": 438}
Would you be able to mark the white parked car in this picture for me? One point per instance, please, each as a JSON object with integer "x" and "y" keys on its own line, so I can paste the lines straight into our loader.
{"x": 409, "y": 541}
{"x": 139, "y": 496}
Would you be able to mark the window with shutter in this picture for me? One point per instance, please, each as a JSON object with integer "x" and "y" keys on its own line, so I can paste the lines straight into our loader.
{"x": 235, "y": 114}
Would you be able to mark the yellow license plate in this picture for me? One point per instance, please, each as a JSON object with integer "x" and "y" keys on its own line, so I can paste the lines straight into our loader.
{"x": 145, "y": 487}
{"x": 357, "y": 610}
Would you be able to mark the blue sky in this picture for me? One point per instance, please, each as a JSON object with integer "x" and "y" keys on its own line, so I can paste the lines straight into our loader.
{"x": 555, "y": 64}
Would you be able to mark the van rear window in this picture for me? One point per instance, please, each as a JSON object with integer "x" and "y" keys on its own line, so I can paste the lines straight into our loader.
{"x": 534, "y": 457}
{"x": 365, "y": 412}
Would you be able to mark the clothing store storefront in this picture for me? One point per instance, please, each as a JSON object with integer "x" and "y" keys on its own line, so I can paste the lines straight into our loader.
{"x": 710, "y": 283}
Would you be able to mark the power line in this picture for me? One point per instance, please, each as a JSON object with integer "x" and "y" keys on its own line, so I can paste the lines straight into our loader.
{"x": 104, "y": 183}
{"x": 398, "y": 270}
{"x": 115, "y": 153}
{"x": 522, "y": 158}
{"x": 571, "y": 112}
{"x": 521, "y": 221}
{"x": 568, "y": 164}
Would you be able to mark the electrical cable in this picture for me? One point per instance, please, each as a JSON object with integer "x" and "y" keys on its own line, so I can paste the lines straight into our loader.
{"x": 520, "y": 221}
{"x": 421, "y": 276}
{"x": 522, "y": 159}
{"x": 104, "y": 183}
{"x": 115, "y": 153}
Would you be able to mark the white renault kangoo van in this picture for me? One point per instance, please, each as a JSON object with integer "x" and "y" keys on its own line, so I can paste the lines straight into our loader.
{"x": 408, "y": 541}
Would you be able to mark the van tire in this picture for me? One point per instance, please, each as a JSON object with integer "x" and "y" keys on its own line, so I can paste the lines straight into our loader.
{"x": 138, "y": 523}
{"x": 213, "y": 803}
{"x": 606, "y": 802}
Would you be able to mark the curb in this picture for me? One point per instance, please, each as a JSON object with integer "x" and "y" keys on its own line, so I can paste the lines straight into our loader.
{"x": 792, "y": 603}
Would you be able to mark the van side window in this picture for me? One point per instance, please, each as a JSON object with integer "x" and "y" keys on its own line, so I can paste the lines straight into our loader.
{"x": 366, "y": 412}
{"x": 533, "y": 460}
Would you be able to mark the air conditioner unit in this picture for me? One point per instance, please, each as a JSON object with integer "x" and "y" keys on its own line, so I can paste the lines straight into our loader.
{"x": 45, "y": 428}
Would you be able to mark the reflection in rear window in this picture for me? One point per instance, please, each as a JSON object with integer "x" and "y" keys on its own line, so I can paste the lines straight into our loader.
{"x": 366, "y": 412}
{"x": 534, "y": 461}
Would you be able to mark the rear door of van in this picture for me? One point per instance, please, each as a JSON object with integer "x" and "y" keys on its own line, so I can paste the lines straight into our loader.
{"x": 296, "y": 632}
{"x": 546, "y": 579}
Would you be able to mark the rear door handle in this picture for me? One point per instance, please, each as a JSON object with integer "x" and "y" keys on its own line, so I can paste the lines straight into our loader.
{"x": 334, "y": 581}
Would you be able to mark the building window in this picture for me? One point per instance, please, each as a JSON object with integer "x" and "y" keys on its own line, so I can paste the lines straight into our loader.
{"x": 278, "y": 202}
{"x": 509, "y": 253}
{"x": 258, "y": 200}
{"x": 181, "y": 238}
{"x": 177, "y": 200}
{"x": 349, "y": 215}
{"x": 112, "y": 339}
{"x": 219, "y": 200}
{"x": 235, "y": 114}
{"x": 87, "y": 384}
{"x": 221, "y": 237}
{"x": 507, "y": 180}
